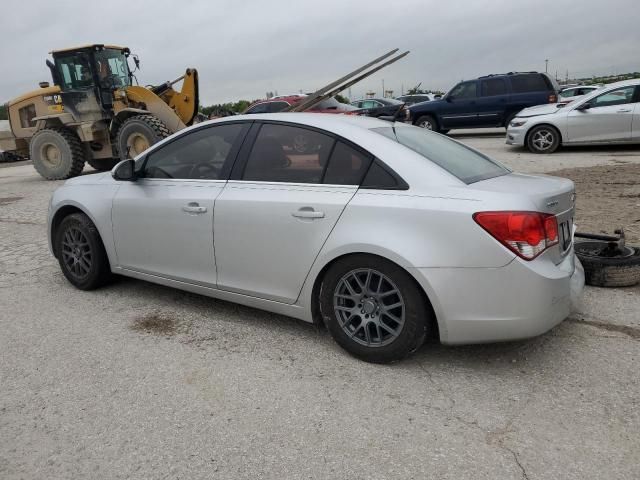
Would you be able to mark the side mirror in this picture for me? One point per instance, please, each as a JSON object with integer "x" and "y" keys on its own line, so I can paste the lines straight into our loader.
{"x": 125, "y": 171}
{"x": 54, "y": 73}
{"x": 584, "y": 106}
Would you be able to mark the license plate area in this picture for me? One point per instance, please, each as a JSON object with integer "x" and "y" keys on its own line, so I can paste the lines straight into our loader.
{"x": 565, "y": 236}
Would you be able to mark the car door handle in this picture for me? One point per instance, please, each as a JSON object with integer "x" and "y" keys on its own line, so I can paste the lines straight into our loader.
{"x": 307, "y": 212}
{"x": 194, "y": 207}
{"x": 624, "y": 110}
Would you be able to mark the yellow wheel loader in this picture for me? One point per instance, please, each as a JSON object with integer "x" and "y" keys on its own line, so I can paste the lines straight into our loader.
{"x": 93, "y": 113}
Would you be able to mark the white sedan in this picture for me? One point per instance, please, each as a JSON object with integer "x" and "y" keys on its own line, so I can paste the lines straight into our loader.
{"x": 608, "y": 115}
{"x": 385, "y": 232}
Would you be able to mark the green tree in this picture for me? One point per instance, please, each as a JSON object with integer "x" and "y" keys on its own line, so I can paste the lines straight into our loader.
{"x": 3, "y": 112}
{"x": 341, "y": 99}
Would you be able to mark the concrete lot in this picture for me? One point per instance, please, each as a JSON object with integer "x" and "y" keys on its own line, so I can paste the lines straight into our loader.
{"x": 141, "y": 381}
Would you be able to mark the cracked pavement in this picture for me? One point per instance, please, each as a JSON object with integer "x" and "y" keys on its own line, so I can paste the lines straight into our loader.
{"x": 137, "y": 380}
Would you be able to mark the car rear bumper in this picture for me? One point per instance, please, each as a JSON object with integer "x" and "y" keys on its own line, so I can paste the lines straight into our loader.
{"x": 517, "y": 301}
{"x": 516, "y": 136}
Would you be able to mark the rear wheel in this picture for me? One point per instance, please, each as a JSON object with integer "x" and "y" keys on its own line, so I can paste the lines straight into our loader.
{"x": 373, "y": 308}
{"x": 428, "y": 122}
{"x": 56, "y": 153}
{"x": 543, "y": 139}
{"x": 80, "y": 252}
{"x": 103, "y": 164}
{"x": 138, "y": 133}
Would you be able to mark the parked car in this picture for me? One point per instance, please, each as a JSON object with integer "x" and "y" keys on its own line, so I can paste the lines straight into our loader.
{"x": 417, "y": 98}
{"x": 278, "y": 104}
{"x": 571, "y": 94}
{"x": 382, "y": 107}
{"x": 388, "y": 233}
{"x": 490, "y": 101}
{"x": 610, "y": 114}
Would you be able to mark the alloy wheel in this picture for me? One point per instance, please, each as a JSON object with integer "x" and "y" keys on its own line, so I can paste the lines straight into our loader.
{"x": 542, "y": 139}
{"x": 369, "y": 307}
{"x": 426, "y": 124}
{"x": 76, "y": 253}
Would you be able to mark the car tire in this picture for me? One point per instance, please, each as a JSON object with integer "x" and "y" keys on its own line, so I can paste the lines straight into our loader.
{"x": 374, "y": 309}
{"x": 543, "y": 139}
{"x": 81, "y": 253}
{"x": 601, "y": 270}
{"x": 56, "y": 153}
{"x": 428, "y": 122}
{"x": 138, "y": 133}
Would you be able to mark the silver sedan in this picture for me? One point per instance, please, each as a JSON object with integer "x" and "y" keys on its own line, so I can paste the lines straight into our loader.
{"x": 608, "y": 115}
{"x": 386, "y": 233}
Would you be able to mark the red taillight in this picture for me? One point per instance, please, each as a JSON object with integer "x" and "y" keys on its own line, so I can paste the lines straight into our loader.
{"x": 553, "y": 98}
{"x": 527, "y": 234}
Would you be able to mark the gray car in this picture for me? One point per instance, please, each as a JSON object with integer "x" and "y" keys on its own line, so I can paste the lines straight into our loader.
{"x": 386, "y": 233}
{"x": 607, "y": 115}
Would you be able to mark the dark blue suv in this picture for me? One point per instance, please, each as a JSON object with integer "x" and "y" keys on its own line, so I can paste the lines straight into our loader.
{"x": 490, "y": 101}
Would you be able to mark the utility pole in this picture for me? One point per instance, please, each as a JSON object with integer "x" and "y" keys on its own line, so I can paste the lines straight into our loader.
{"x": 546, "y": 65}
{"x": 383, "y": 88}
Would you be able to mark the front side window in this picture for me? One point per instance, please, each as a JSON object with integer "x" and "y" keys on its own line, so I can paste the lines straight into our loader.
{"x": 493, "y": 87}
{"x": 570, "y": 92}
{"x": 283, "y": 153}
{"x": 112, "y": 69}
{"x": 459, "y": 160}
{"x": 198, "y": 155}
{"x": 464, "y": 90}
{"x": 370, "y": 104}
{"x": 619, "y": 96}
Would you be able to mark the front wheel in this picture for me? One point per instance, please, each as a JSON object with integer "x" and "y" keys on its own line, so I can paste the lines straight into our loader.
{"x": 80, "y": 252}
{"x": 428, "y": 122}
{"x": 373, "y": 309}
{"x": 543, "y": 139}
{"x": 138, "y": 133}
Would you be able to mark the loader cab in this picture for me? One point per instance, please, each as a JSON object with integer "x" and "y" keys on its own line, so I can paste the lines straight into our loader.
{"x": 88, "y": 76}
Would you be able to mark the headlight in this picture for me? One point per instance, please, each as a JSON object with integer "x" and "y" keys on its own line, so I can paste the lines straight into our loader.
{"x": 517, "y": 122}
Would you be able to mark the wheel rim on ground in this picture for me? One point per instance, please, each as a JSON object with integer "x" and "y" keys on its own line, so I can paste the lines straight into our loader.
{"x": 76, "y": 253}
{"x": 426, "y": 124}
{"x": 542, "y": 139}
{"x": 50, "y": 155}
{"x": 137, "y": 143}
{"x": 369, "y": 307}
{"x": 597, "y": 249}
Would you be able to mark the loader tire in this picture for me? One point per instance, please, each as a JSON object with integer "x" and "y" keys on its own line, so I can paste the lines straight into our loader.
{"x": 103, "y": 164}
{"x": 57, "y": 153}
{"x": 138, "y": 133}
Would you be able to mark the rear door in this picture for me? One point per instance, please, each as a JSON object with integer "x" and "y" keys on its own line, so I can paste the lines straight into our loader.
{"x": 275, "y": 214}
{"x": 492, "y": 103}
{"x": 461, "y": 109}
{"x": 163, "y": 222}
{"x": 609, "y": 118}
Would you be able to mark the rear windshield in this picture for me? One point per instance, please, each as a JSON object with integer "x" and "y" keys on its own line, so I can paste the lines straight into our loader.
{"x": 460, "y": 161}
{"x": 530, "y": 83}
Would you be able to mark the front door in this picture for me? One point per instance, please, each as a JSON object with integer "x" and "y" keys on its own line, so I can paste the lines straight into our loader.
{"x": 608, "y": 119}
{"x": 271, "y": 222}
{"x": 163, "y": 222}
{"x": 461, "y": 109}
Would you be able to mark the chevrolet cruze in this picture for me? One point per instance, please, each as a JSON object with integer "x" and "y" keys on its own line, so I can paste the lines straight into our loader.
{"x": 386, "y": 233}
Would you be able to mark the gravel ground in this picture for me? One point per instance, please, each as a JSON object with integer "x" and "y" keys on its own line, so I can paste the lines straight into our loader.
{"x": 140, "y": 381}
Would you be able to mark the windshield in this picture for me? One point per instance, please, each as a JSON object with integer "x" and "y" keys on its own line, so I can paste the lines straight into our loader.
{"x": 459, "y": 160}
{"x": 112, "y": 69}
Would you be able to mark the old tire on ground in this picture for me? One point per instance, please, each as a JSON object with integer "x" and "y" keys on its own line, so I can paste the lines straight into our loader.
{"x": 81, "y": 253}
{"x": 428, "y": 122}
{"x": 103, "y": 164}
{"x": 622, "y": 270}
{"x": 56, "y": 153}
{"x": 543, "y": 139}
{"x": 138, "y": 133}
{"x": 373, "y": 308}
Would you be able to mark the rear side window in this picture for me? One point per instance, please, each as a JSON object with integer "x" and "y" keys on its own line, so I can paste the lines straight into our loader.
{"x": 282, "y": 153}
{"x": 528, "y": 83}
{"x": 493, "y": 87}
{"x": 197, "y": 155}
{"x": 381, "y": 178}
{"x": 460, "y": 161}
{"x": 347, "y": 166}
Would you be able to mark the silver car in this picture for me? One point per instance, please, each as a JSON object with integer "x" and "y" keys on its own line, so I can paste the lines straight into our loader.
{"x": 610, "y": 114}
{"x": 384, "y": 232}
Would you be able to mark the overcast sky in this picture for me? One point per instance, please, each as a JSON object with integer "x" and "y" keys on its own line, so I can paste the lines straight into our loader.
{"x": 243, "y": 49}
